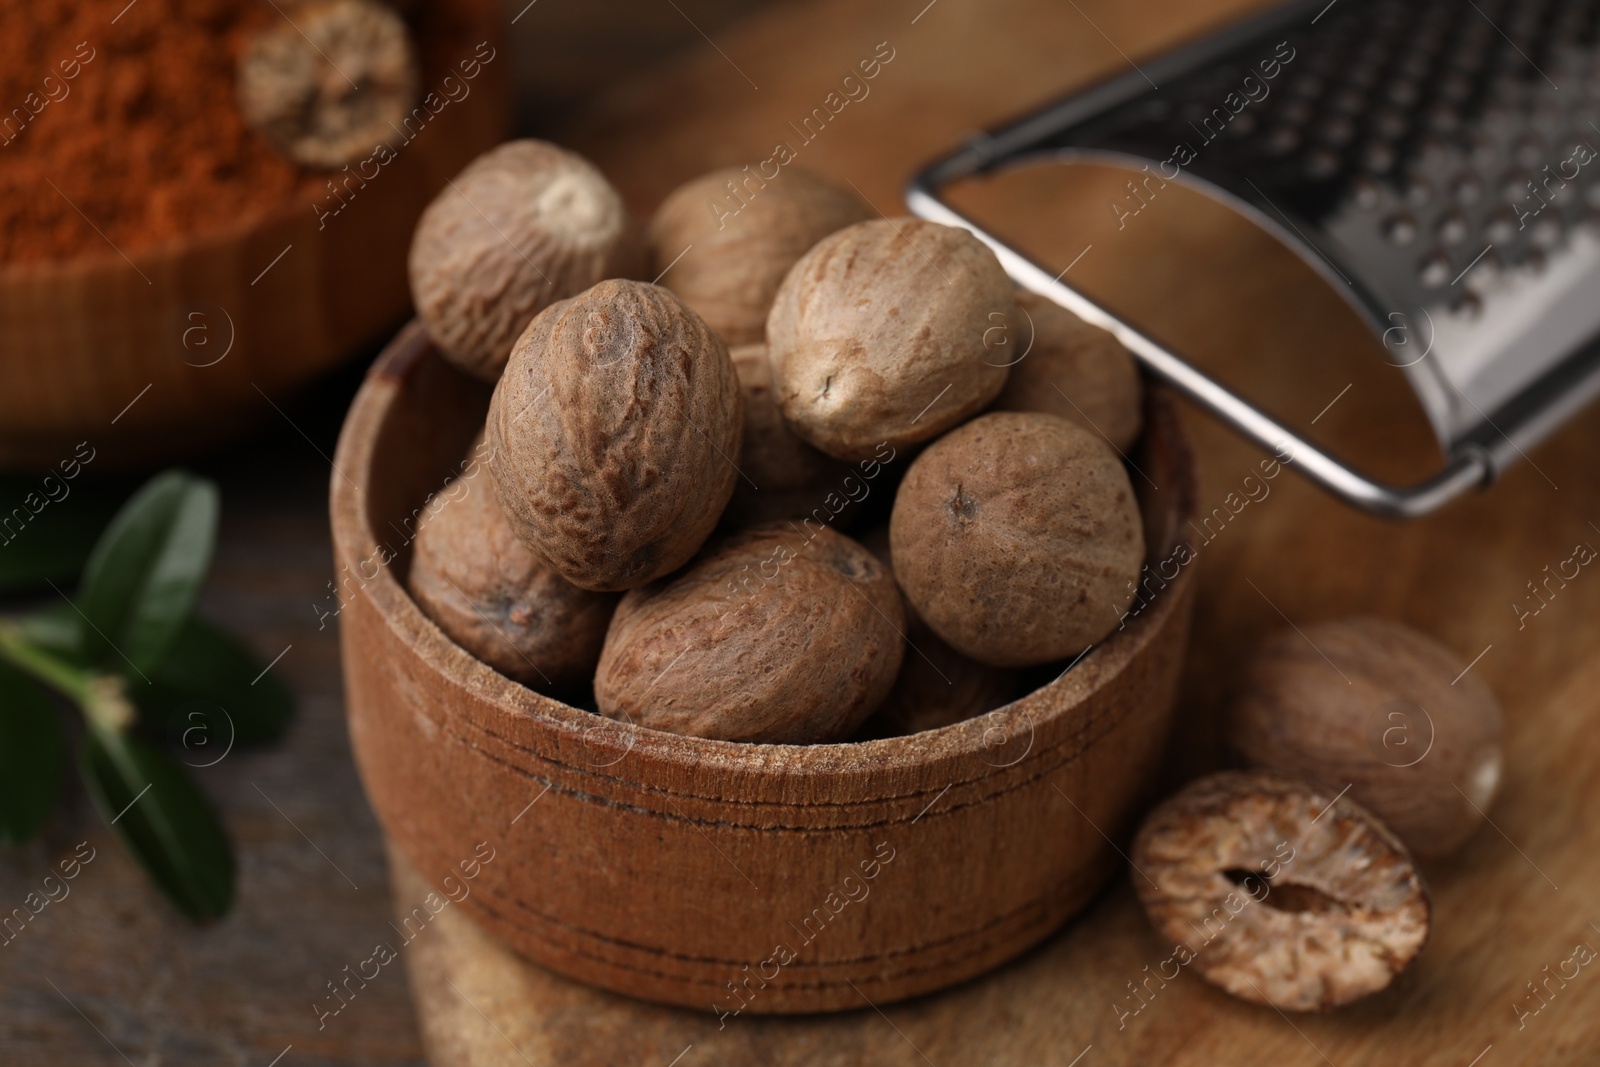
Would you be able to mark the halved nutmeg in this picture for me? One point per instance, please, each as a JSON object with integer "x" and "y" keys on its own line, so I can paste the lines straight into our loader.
{"x": 1280, "y": 892}
{"x": 329, "y": 82}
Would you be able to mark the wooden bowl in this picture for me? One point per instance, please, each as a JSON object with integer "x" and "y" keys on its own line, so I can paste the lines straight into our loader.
{"x": 811, "y": 878}
{"x": 192, "y": 341}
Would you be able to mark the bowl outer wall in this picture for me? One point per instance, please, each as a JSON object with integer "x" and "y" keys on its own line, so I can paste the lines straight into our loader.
{"x": 719, "y": 875}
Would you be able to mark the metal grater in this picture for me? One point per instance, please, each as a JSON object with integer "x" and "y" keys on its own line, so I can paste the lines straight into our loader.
{"x": 1436, "y": 162}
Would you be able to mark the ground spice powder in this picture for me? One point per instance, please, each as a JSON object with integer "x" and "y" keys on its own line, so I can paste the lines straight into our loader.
{"x": 120, "y": 117}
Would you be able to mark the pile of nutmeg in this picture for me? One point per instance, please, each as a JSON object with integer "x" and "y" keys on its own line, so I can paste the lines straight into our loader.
{"x": 699, "y": 444}
{"x": 1296, "y": 882}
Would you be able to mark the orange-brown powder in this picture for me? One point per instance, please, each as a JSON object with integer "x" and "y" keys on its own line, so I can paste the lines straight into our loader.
{"x": 145, "y": 140}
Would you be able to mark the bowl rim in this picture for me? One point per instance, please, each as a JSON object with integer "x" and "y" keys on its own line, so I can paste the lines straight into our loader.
{"x": 175, "y": 249}
{"x": 1062, "y": 697}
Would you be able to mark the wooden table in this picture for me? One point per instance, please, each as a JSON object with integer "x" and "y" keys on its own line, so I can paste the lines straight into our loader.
{"x": 111, "y": 976}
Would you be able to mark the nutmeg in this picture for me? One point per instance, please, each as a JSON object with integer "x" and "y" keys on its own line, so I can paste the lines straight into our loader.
{"x": 1017, "y": 538}
{"x": 726, "y": 239}
{"x": 878, "y": 335}
{"x": 329, "y": 86}
{"x": 1375, "y": 705}
{"x": 1279, "y": 892}
{"x": 525, "y": 225}
{"x": 937, "y": 686}
{"x": 773, "y": 635}
{"x": 782, "y": 476}
{"x": 614, "y": 429}
{"x": 1064, "y": 366}
{"x": 495, "y": 598}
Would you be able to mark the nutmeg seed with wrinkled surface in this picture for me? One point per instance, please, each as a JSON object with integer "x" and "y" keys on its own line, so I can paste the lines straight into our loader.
{"x": 781, "y": 476}
{"x": 1017, "y": 538}
{"x": 880, "y": 334}
{"x": 770, "y": 636}
{"x": 615, "y": 430}
{"x": 1378, "y": 706}
{"x": 1279, "y": 892}
{"x": 730, "y": 236}
{"x": 525, "y": 225}
{"x": 499, "y": 601}
{"x": 937, "y": 686}
{"x": 1069, "y": 368}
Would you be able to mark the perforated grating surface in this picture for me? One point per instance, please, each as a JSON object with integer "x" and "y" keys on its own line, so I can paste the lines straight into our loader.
{"x": 1439, "y": 160}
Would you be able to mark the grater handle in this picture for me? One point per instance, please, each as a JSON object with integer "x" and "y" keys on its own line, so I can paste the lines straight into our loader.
{"x": 1470, "y": 466}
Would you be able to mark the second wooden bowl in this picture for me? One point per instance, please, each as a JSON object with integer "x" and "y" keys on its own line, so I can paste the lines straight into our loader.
{"x": 715, "y": 875}
{"x": 159, "y": 355}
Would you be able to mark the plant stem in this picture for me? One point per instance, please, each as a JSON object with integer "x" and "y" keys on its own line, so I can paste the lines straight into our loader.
{"x": 63, "y": 677}
{"x": 102, "y": 698}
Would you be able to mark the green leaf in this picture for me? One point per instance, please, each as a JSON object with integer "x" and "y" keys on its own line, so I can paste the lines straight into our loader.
{"x": 163, "y": 819}
{"x": 210, "y": 691}
{"x": 57, "y": 629}
{"x": 48, "y": 527}
{"x": 33, "y": 750}
{"x": 146, "y": 571}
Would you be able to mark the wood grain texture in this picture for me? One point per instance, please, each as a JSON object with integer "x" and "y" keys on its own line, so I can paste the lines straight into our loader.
{"x": 1230, "y": 297}
{"x": 192, "y": 331}
{"x": 678, "y": 868}
{"x": 567, "y": 53}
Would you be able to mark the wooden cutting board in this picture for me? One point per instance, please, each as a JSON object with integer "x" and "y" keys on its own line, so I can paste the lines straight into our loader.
{"x": 1517, "y": 898}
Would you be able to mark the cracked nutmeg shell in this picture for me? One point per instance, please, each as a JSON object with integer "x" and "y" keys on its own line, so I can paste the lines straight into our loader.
{"x": 614, "y": 430}
{"x": 1017, "y": 538}
{"x": 1388, "y": 710}
{"x": 332, "y": 84}
{"x": 525, "y": 225}
{"x": 1280, "y": 892}
{"x": 1069, "y": 368}
{"x": 495, "y": 598}
{"x": 881, "y": 334}
{"x": 773, "y": 635}
{"x": 743, "y": 234}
